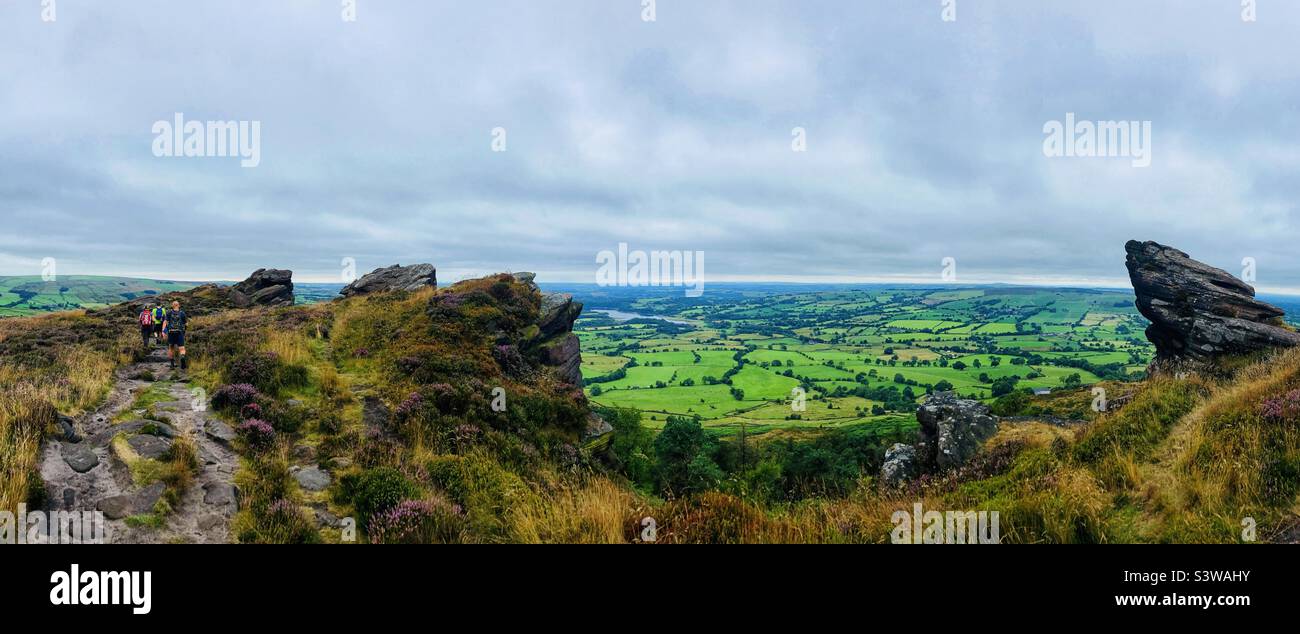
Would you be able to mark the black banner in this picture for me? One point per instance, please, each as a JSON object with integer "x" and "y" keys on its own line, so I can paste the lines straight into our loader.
{"x": 306, "y": 584}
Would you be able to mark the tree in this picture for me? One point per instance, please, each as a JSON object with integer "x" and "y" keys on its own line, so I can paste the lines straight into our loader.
{"x": 1004, "y": 385}
{"x": 631, "y": 446}
{"x": 682, "y": 455}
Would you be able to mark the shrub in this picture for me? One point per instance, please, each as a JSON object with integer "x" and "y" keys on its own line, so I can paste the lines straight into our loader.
{"x": 510, "y": 360}
{"x": 375, "y": 491}
{"x": 1282, "y": 408}
{"x": 250, "y": 411}
{"x": 266, "y": 371}
{"x": 286, "y": 419}
{"x": 410, "y": 407}
{"x": 418, "y": 522}
{"x": 285, "y": 523}
{"x": 257, "y": 434}
{"x": 234, "y": 396}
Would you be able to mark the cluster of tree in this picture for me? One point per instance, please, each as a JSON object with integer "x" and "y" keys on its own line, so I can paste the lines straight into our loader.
{"x": 616, "y": 375}
{"x": 684, "y": 459}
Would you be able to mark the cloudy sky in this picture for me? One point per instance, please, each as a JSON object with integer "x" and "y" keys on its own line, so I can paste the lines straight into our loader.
{"x": 924, "y": 137}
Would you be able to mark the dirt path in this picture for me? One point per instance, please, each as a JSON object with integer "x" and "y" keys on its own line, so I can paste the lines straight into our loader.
{"x": 89, "y": 475}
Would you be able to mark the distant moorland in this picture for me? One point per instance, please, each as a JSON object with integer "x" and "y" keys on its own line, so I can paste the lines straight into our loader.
{"x": 32, "y": 295}
{"x": 25, "y": 296}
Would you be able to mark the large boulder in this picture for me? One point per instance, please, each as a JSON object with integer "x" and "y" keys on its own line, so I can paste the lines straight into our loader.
{"x": 265, "y": 287}
{"x": 900, "y": 465}
{"x": 393, "y": 278}
{"x": 558, "y": 313}
{"x": 952, "y": 430}
{"x": 559, "y": 347}
{"x": 1199, "y": 313}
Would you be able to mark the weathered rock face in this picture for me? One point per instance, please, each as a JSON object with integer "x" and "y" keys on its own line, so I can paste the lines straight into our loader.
{"x": 560, "y": 348}
{"x": 265, "y": 287}
{"x": 556, "y": 344}
{"x": 900, "y": 465}
{"x": 558, "y": 313}
{"x": 393, "y": 278}
{"x": 1198, "y": 312}
{"x": 565, "y": 355}
{"x": 952, "y": 430}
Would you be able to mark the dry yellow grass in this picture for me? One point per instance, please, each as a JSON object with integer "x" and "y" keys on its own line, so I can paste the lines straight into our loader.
{"x": 290, "y": 345}
{"x": 593, "y": 512}
{"x": 30, "y": 401}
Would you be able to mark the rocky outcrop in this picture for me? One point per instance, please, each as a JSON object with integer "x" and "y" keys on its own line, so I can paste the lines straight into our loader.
{"x": 561, "y": 348}
{"x": 952, "y": 430}
{"x": 265, "y": 287}
{"x": 1199, "y": 313}
{"x": 558, "y": 313}
{"x": 555, "y": 343}
{"x": 900, "y": 465}
{"x": 393, "y": 278}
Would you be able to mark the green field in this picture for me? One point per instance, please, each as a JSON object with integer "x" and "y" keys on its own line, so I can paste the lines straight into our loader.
{"x": 858, "y": 356}
{"x": 32, "y": 295}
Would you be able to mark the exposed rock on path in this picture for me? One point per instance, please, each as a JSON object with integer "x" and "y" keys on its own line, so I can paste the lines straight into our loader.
{"x": 88, "y": 475}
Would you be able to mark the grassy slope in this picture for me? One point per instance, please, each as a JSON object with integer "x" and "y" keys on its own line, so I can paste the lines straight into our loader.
{"x": 1185, "y": 460}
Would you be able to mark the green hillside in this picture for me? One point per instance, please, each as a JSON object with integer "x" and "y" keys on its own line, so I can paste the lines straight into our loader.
{"x": 30, "y": 295}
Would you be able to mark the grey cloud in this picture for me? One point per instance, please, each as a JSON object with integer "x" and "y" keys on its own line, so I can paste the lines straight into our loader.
{"x": 924, "y": 136}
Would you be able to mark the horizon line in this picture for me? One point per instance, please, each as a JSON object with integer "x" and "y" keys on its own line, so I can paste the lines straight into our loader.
{"x": 800, "y": 280}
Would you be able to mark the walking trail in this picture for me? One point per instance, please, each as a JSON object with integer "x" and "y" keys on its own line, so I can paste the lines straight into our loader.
{"x": 86, "y": 473}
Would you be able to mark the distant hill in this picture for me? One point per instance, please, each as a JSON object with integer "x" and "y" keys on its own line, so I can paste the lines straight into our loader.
{"x": 310, "y": 293}
{"x": 31, "y": 295}
{"x": 25, "y": 296}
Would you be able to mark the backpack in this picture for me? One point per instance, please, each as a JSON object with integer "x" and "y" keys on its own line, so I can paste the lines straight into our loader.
{"x": 176, "y": 320}
{"x": 146, "y": 318}
{"x": 159, "y": 313}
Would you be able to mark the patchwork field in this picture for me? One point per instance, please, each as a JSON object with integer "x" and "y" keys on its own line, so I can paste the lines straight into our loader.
{"x": 762, "y": 358}
{"x": 32, "y": 295}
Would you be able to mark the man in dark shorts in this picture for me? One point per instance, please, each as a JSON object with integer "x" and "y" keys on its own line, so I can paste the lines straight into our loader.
{"x": 174, "y": 324}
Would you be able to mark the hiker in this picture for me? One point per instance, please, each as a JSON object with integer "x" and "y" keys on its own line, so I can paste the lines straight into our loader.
{"x": 174, "y": 323}
{"x": 146, "y": 325}
{"x": 159, "y": 316}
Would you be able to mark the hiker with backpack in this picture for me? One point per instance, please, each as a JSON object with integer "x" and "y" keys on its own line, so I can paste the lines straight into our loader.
{"x": 159, "y": 315}
{"x": 175, "y": 323}
{"x": 146, "y": 325}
